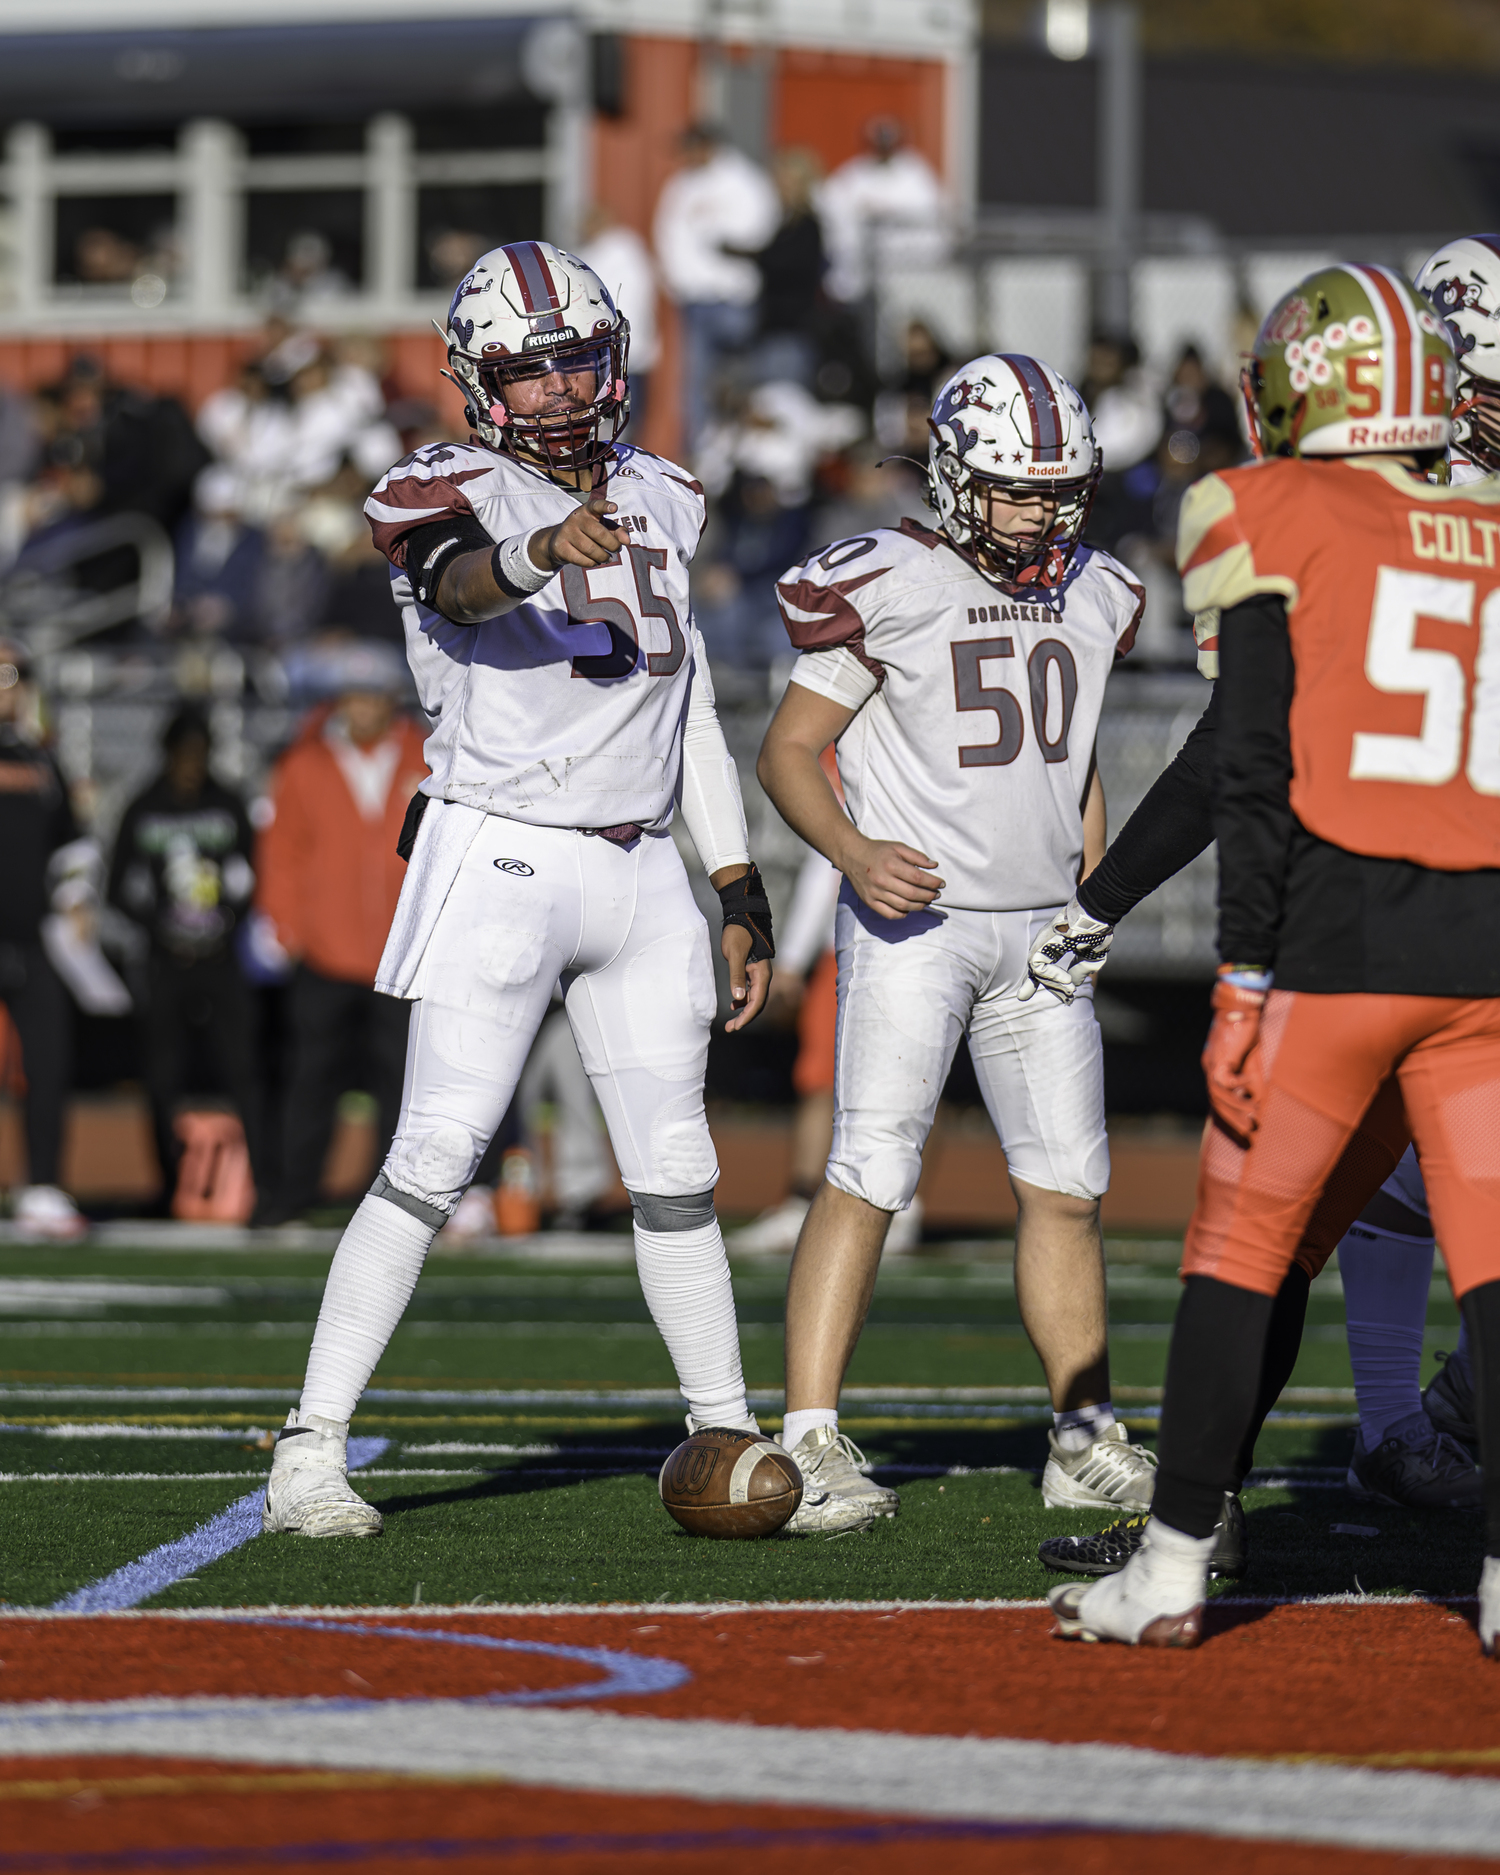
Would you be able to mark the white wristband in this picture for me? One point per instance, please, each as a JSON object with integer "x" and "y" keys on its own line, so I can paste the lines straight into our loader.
{"x": 514, "y": 566}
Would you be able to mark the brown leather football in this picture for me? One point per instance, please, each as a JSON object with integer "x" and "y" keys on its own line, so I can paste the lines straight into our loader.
{"x": 726, "y": 1483}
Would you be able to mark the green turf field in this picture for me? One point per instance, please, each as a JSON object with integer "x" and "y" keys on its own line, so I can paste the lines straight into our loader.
{"x": 137, "y": 1389}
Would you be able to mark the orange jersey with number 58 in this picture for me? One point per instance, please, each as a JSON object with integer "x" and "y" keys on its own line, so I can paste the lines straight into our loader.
{"x": 1392, "y": 590}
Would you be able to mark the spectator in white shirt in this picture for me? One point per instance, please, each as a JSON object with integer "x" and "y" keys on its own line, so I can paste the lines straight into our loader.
{"x": 890, "y": 199}
{"x": 719, "y": 199}
{"x": 623, "y": 262}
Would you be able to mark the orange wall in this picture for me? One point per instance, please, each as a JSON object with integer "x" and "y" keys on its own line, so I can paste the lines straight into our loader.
{"x": 825, "y": 99}
{"x": 191, "y": 365}
{"x": 188, "y": 366}
{"x": 634, "y": 154}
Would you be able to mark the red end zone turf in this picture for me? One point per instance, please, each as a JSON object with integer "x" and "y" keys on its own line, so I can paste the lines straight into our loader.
{"x": 105, "y": 1814}
{"x": 1395, "y": 1682}
{"x": 1389, "y": 1687}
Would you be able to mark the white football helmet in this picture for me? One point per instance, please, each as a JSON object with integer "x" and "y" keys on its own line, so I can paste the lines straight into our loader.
{"x": 1462, "y": 280}
{"x": 1012, "y": 424}
{"x": 521, "y": 311}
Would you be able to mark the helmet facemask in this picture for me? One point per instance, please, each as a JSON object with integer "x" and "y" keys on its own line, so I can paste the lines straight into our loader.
{"x": 565, "y": 441}
{"x": 1476, "y": 422}
{"x": 1000, "y": 558}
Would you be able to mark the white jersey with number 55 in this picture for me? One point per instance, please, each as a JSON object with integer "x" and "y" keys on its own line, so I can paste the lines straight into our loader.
{"x": 977, "y": 707}
{"x": 568, "y": 710}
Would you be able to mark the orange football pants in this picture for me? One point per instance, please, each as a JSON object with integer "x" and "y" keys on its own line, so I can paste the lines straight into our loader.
{"x": 1348, "y": 1081}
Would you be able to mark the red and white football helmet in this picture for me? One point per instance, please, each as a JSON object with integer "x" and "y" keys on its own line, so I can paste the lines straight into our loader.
{"x": 521, "y": 311}
{"x": 1462, "y": 280}
{"x": 1012, "y": 424}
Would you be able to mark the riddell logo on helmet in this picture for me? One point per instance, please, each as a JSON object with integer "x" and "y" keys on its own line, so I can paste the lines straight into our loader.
{"x": 1414, "y": 435}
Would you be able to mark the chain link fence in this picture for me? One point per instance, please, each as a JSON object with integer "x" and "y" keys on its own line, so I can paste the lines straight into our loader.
{"x": 110, "y": 709}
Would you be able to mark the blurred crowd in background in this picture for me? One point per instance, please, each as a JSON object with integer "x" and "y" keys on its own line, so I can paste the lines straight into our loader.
{"x": 203, "y": 899}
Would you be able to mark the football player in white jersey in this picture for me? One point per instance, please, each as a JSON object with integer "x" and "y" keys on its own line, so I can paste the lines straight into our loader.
{"x": 541, "y": 570}
{"x": 960, "y": 673}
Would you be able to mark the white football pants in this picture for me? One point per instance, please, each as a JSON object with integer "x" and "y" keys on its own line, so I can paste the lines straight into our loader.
{"x": 582, "y": 1169}
{"x": 908, "y": 989}
{"x": 619, "y": 926}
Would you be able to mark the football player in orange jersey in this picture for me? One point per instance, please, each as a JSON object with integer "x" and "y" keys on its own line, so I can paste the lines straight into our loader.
{"x": 1358, "y": 819}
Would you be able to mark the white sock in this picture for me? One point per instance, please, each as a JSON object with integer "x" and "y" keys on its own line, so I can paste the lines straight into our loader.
{"x": 374, "y": 1271}
{"x": 1168, "y": 1575}
{"x": 1174, "y": 1566}
{"x": 796, "y": 1426}
{"x": 1489, "y": 1603}
{"x": 1081, "y": 1425}
{"x": 685, "y": 1280}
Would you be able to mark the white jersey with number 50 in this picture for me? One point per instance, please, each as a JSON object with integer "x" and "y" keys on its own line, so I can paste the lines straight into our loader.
{"x": 977, "y": 708}
{"x": 567, "y": 711}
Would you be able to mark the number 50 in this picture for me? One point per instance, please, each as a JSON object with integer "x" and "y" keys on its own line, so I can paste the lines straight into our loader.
{"x": 1397, "y": 665}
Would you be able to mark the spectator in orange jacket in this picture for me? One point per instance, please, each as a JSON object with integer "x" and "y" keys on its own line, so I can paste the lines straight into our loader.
{"x": 328, "y": 878}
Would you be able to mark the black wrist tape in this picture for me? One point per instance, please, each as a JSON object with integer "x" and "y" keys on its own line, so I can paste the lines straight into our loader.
{"x": 416, "y": 807}
{"x": 744, "y": 902}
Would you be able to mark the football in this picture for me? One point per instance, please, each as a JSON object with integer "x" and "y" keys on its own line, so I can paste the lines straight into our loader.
{"x": 725, "y": 1483}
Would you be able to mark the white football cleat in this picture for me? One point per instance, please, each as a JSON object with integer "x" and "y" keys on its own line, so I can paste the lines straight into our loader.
{"x": 836, "y": 1494}
{"x": 1110, "y": 1474}
{"x": 308, "y": 1492}
{"x": 48, "y": 1212}
{"x": 1489, "y": 1606}
{"x": 1156, "y": 1600}
{"x": 773, "y": 1234}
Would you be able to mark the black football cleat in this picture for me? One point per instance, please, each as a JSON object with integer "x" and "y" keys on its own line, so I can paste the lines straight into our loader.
{"x": 1108, "y": 1550}
{"x": 1418, "y": 1468}
{"x": 1448, "y": 1401}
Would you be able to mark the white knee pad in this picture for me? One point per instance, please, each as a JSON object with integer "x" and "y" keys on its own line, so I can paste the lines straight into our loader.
{"x": 883, "y": 1170}
{"x": 433, "y": 1167}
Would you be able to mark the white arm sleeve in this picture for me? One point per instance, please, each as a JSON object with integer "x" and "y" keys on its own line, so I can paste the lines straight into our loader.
{"x": 711, "y": 803}
{"x": 809, "y": 923}
{"x": 838, "y": 675}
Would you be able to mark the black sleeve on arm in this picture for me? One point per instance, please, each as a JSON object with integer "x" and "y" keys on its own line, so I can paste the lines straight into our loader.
{"x": 1252, "y": 806}
{"x": 1170, "y": 828}
{"x": 432, "y": 547}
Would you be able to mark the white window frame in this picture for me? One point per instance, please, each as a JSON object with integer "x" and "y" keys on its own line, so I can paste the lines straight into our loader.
{"x": 211, "y": 175}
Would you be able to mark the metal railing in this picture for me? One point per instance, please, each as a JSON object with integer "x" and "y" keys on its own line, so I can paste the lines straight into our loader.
{"x": 110, "y": 706}
{"x": 51, "y": 612}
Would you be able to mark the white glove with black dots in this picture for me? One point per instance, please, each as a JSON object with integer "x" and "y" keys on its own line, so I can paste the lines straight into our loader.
{"x": 1073, "y": 948}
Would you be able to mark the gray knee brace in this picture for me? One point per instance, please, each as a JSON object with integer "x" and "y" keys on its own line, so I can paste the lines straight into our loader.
{"x": 418, "y": 1208}
{"x": 690, "y": 1212}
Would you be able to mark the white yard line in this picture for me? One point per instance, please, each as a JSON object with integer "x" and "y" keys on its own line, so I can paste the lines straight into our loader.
{"x": 1107, "y": 1787}
{"x": 702, "y": 1611}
